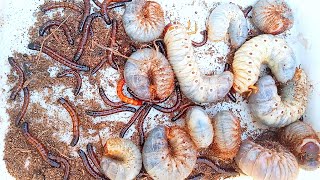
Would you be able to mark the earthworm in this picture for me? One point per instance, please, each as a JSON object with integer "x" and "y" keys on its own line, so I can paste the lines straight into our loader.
{"x": 21, "y": 80}
{"x": 107, "y": 101}
{"x": 26, "y": 100}
{"x": 247, "y": 11}
{"x": 204, "y": 40}
{"x": 174, "y": 107}
{"x": 143, "y": 20}
{"x": 211, "y": 164}
{"x": 263, "y": 49}
{"x": 121, "y": 159}
{"x": 76, "y": 75}
{"x": 227, "y": 135}
{"x": 65, "y": 163}
{"x": 85, "y": 14}
{"x": 267, "y": 161}
{"x": 85, "y": 35}
{"x": 199, "y": 127}
{"x": 58, "y": 57}
{"x": 110, "y": 54}
{"x": 146, "y": 100}
{"x": 75, "y": 120}
{"x": 231, "y": 97}
{"x": 196, "y": 86}
{"x": 169, "y": 153}
{"x": 227, "y": 19}
{"x": 132, "y": 120}
{"x": 182, "y": 109}
{"x": 105, "y": 6}
{"x": 111, "y": 6}
{"x": 272, "y": 17}
{"x": 110, "y": 111}
{"x": 161, "y": 45}
{"x": 64, "y": 27}
{"x": 42, "y": 150}
{"x": 93, "y": 157}
{"x": 88, "y": 167}
{"x": 149, "y": 75}
{"x": 53, "y": 5}
{"x": 141, "y": 121}
{"x": 123, "y": 97}
{"x": 196, "y": 176}
{"x": 97, "y": 2}
{"x": 276, "y": 110}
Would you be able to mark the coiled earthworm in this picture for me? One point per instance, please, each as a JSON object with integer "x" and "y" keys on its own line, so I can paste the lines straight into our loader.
{"x": 88, "y": 167}
{"x": 85, "y": 14}
{"x": 75, "y": 120}
{"x": 104, "y": 9}
{"x": 110, "y": 111}
{"x": 132, "y": 120}
{"x": 107, "y": 101}
{"x": 110, "y": 53}
{"x": 58, "y": 57}
{"x": 123, "y": 97}
{"x": 93, "y": 157}
{"x": 204, "y": 40}
{"x": 53, "y": 5}
{"x": 85, "y": 35}
{"x": 42, "y": 150}
{"x": 64, "y": 27}
{"x": 21, "y": 75}
{"x": 174, "y": 107}
{"x": 182, "y": 109}
{"x": 76, "y": 75}
{"x": 141, "y": 119}
{"x": 65, "y": 163}
{"x": 26, "y": 100}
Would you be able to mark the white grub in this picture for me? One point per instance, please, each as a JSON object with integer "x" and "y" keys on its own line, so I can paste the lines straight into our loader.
{"x": 280, "y": 110}
{"x": 227, "y": 21}
{"x": 199, "y": 127}
{"x": 266, "y": 162}
{"x": 263, "y": 49}
{"x": 197, "y": 87}
{"x": 143, "y": 20}
{"x": 303, "y": 142}
{"x": 121, "y": 160}
{"x": 227, "y": 135}
{"x": 169, "y": 153}
{"x": 149, "y": 74}
{"x": 272, "y": 16}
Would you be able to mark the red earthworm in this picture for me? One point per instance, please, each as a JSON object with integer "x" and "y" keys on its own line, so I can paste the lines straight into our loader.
{"x": 196, "y": 176}
{"x": 227, "y": 67}
{"x": 97, "y": 2}
{"x": 58, "y": 57}
{"x": 86, "y": 13}
{"x": 161, "y": 45}
{"x": 204, "y": 40}
{"x": 107, "y": 101}
{"x": 53, "y": 5}
{"x": 42, "y": 150}
{"x": 85, "y": 34}
{"x": 104, "y": 9}
{"x": 76, "y": 75}
{"x": 21, "y": 75}
{"x": 93, "y": 157}
{"x": 146, "y": 100}
{"x": 88, "y": 167}
{"x": 26, "y": 100}
{"x": 132, "y": 120}
{"x": 110, "y": 111}
{"x": 65, "y": 163}
{"x": 75, "y": 120}
{"x": 110, "y": 54}
{"x": 247, "y": 11}
{"x": 51, "y": 23}
{"x": 111, "y": 6}
{"x": 232, "y": 97}
{"x": 212, "y": 165}
{"x": 141, "y": 119}
{"x": 182, "y": 110}
{"x": 124, "y": 98}
{"x": 173, "y": 108}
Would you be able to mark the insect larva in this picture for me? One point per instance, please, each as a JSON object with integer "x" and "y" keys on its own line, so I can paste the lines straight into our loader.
{"x": 303, "y": 142}
{"x": 169, "y": 153}
{"x": 272, "y": 16}
{"x": 143, "y": 20}
{"x": 197, "y": 87}
{"x": 65, "y": 28}
{"x": 149, "y": 75}
{"x": 280, "y": 110}
{"x": 228, "y": 20}
{"x": 123, "y": 97}
{"x": 110, "y": 111}
{"x": 263, "y": 49}
{"x": 182, "y": 109}
{"x": 227, "y": 135}
{"x": 26, "y": 100}
{"x": 121, "y": 159}
{"x": 199, "y": 127}
{"x": 21, "y": 75}
{"x": 268, "y": 161}
{"x": 76, "y": 75}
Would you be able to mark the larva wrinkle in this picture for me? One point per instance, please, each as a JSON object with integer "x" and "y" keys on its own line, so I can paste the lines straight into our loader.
{"x": 280, "y": 110}
{"x": 197, "y": 87}
{"x": 263, "y": 49}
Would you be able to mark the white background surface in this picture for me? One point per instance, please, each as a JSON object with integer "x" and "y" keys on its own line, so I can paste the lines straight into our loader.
{"x": 16, "y": 16}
